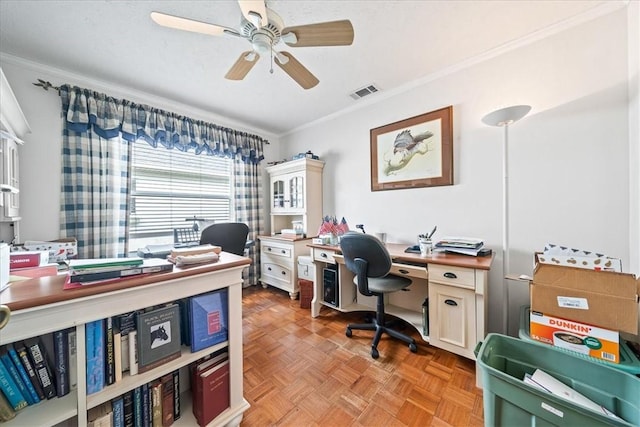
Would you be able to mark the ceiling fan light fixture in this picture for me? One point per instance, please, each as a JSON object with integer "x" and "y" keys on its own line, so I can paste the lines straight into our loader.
{"x": 261, "y": 43}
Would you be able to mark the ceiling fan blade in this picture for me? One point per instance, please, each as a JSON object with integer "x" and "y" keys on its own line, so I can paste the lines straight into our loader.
{"x": 297, "y": 71}
{"x": 242, "y": 66}
{"x": 334, "y": 33}
{"x": 255, "y": 11}
{"x": 194, "y": 26}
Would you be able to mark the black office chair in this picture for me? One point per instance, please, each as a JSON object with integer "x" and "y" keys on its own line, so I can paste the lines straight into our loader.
{"x": 369, "y": 260}
{"x": 230, "y": 236}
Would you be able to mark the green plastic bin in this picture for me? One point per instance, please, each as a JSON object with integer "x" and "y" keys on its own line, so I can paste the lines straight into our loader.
{"x": 509, "y": 401}
{"x": 629, "y": 362}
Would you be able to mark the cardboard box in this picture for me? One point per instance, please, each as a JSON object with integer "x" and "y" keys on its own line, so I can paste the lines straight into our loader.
{"x": 602, "y": 298}
{"x": 59, "y": 250}
{"x": 585, "y": 339}
{"x": 25, "y": 259}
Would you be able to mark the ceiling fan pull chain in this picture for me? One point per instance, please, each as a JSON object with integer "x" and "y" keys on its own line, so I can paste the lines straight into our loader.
{"x": 271, "y": 69}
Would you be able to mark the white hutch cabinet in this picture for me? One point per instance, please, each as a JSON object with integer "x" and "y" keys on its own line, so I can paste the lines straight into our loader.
{"x": 13, "y": 126}
{"x": 295, "y": 196}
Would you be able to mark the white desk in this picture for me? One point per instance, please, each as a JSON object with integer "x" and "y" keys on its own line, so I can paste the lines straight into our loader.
{"x": 456, "y": 285}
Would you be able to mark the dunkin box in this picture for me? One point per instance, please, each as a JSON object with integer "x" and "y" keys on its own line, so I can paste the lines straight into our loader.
{"x": 585, "y": 339}
{"x": 605, "y": 299}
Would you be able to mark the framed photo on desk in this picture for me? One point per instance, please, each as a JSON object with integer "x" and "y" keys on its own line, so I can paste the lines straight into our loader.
{"x": 412, "y": 153}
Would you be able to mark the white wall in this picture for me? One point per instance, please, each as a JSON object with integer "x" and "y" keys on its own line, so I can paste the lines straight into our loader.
{"x": 569, "y": 166}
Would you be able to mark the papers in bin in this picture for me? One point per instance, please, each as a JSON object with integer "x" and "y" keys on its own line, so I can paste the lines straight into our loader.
{"x": 545, "y": 382}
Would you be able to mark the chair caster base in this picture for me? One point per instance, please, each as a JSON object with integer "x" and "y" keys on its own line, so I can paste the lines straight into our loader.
{"x": 374, "y": 353}
{"x": 348, "y": 332}
{"x": 413, "y": 347}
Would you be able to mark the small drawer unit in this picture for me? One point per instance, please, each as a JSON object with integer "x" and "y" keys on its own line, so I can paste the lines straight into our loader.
{"x": 278, "y": 263}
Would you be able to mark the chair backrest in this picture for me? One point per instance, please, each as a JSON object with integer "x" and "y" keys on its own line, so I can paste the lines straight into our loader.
{"x": 231, "y": 236}
{"x": 365, "y": 256}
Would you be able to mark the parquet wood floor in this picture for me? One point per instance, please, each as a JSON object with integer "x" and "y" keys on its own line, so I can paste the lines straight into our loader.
{"x": 301, "y": 371}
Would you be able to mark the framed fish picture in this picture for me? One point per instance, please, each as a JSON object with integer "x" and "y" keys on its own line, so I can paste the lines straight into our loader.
{"x": 412, "y": 153}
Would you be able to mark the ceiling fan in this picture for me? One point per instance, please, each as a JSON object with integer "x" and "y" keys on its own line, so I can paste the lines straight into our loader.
{"x": 264, "y": 29}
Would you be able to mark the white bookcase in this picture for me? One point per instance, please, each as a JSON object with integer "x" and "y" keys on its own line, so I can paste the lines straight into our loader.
{"x": 40, "y": 306}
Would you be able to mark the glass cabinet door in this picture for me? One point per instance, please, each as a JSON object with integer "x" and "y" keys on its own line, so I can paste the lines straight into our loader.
{"x": 296, "y": 192}
{"x": 278, "y": 194}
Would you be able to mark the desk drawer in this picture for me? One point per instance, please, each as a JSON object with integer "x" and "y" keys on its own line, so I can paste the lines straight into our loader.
{"x": 413, "y": 271}
{"x": 277, "y": 250}
{"x": 324, "y": 255}
{"x": 277, "y": 272}
{"x": 454, "y": 276}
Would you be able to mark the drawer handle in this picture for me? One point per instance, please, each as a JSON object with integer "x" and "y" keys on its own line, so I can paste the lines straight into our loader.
{"x": 283, "y": 251}
{"x": 450, "y": 275}
{"x": 323, "y": 255}
{"x": 403, "y": 271}
{"x": 450, "y": 302}
{"x": 269, "y": 268}
{"x": 284, "y": 273}
{"x": 269, "y": 249}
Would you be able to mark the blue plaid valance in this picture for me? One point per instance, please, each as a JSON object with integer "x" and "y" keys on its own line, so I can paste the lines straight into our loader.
{"x": 109, "y": 117}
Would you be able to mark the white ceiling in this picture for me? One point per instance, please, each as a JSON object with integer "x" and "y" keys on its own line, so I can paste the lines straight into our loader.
{"x": 396, "y": 42}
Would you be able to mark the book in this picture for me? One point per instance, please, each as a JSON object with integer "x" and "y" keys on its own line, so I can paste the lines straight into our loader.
{"x": 195, "y": 250}
{"x": 213, "y": 392}
{"x": 38, "y": 357}
{"x": 133, "y": 352}
{"x": 117, "y": 355}
{"x": 167, "y": 399}
{"x": 128, "y": 408}
{"x": 152, "y": 265}
{"x": 137, "y": 407}
{"x": 118, "y": 411}
{"x": 61, "y": 362}
{"x": 101, "y": 415}
{"x": 155, "y": 388}
{"x": 97, "y": 263}
{"x": 10, "y": 390}
{"x": 158, "y": 336}
{"x": 196, "y": 369}
{"x": 94, "y": 332}
{"x": 24, "y": 375}
{"x": 146, "y": 405}
{"x": 23, "y": 354}
{"x": 109, "y": 360}
{"x": 6, "y": 410}
{"x": 176, "y": 395}
{"x": 208, "y": 321}
{"x": 12, "y": 371}
{"x": 126, "y": 323}
{"x": 73, "y": 359}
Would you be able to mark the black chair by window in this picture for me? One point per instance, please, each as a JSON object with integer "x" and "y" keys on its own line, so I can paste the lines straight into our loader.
{"x": 369, "y": 260}
{"x": 230, "y": 236}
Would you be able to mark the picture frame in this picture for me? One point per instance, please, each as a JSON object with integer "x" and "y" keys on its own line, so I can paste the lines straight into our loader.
{"x": 414, "y": 152}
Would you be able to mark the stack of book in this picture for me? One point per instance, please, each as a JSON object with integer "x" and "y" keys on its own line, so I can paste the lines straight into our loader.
{"x": 462, "y": 245}
{"x": 101, "y": 270}
{"x": 200, "y": 254}
{"x": 210, "y": 387}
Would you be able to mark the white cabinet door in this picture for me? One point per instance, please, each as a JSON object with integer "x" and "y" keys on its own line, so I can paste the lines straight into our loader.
{"x": 452, "y": 316}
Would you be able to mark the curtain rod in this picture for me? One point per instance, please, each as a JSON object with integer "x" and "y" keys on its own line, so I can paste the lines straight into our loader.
{"x": 46, "y": 85}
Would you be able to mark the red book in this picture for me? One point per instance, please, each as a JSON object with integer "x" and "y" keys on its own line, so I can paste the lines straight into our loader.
{"x": 24, "y": 259}
{"x": 196, "y": 383}
{"x": 213, "y": 394}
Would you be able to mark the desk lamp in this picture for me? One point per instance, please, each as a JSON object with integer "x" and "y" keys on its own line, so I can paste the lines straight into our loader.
{"x": 504, "y": 117}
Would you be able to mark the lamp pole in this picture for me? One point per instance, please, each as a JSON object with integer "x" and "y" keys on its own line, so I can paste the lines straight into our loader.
{"x": 504, "y": 118}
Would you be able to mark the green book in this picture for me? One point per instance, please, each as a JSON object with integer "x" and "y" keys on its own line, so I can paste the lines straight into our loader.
{"x": 96, "y": 263}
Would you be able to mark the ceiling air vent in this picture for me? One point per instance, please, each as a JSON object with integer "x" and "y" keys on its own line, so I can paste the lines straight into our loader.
{"x": 361, "y": 93}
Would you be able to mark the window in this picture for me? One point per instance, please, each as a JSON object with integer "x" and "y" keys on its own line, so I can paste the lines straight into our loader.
{"x": 169, "y": 186}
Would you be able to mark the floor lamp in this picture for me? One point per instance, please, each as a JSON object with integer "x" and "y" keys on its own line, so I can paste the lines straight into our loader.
{"x": 504, "y": 118}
